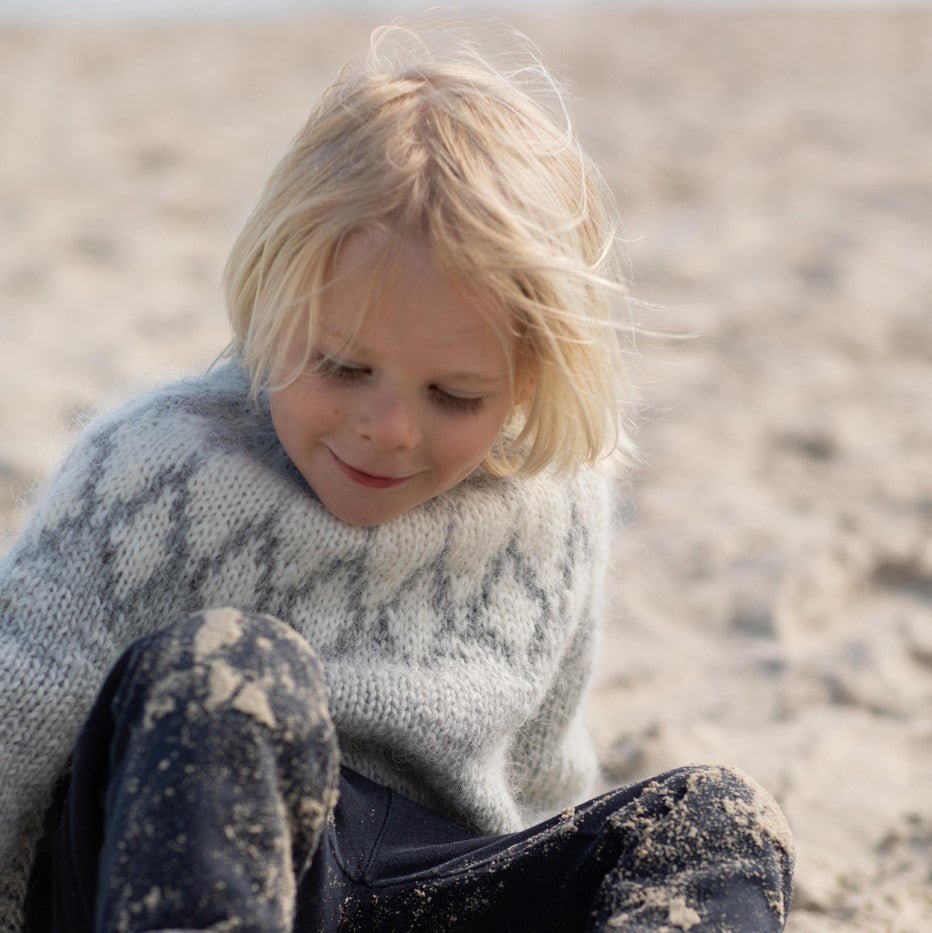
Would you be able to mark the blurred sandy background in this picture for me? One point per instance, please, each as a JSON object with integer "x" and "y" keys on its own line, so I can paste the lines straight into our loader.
{"x": 773, "y": 583}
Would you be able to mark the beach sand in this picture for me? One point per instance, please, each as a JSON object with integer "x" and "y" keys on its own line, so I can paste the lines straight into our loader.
{"x": 771, "y": 601}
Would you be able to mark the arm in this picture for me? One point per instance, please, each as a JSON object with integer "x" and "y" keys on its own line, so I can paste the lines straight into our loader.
{"x": 110, "y": 553}
{"x": 54, "y": 649}
{"x": 43, "y": 692}
{"x": 553, "y": 761}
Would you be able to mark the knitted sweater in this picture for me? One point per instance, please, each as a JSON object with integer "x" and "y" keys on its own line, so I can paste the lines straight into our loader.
{"x": 456, "y": 640}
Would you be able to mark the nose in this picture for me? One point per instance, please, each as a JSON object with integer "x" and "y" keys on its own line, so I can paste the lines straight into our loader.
{"x": 387, "y": 420}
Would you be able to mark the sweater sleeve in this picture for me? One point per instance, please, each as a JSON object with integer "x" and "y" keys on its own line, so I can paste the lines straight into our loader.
{"x": 552, "y": 759}
{"x": 40, "y": 691}
{"x": 100, "y": 562}
{"x": 55, "y": 648}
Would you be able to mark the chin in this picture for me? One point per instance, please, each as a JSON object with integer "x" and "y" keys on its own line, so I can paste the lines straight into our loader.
{"x": 362, "y": 518}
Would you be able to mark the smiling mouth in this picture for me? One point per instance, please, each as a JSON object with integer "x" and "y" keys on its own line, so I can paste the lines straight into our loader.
{"x": 368, "y": 479}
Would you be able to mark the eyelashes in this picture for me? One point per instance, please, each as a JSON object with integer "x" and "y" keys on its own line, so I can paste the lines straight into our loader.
{"x": 331, "y": 369}
{"x": 341, "y": 372}
{"x": 456, "y": 402}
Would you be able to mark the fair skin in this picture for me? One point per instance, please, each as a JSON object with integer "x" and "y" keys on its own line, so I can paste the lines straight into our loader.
{"x": 406, "y": 389}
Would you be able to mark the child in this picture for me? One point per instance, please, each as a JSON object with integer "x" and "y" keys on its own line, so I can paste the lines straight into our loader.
{"x": 347, "y": 585}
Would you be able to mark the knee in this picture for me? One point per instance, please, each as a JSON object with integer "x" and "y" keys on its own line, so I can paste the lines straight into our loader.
{"x": 734, "y": 806}
{"x": 223, "y": 662}
{"x": 228, "y": 637}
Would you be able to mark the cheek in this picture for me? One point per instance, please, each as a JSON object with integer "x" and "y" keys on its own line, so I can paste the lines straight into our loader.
{"x": 300, "y": 411}
{"x": 282, "y": 422}
{"x": 465, "y": 446}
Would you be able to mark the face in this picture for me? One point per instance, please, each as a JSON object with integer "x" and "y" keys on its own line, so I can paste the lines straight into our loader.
{"x": 405, "y": 391}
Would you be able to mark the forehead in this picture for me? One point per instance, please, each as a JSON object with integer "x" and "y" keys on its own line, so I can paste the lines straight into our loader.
{"x": 384, "y": 297}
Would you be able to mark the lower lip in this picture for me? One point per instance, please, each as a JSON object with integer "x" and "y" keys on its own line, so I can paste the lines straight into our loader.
{"x": 367, "y": 479}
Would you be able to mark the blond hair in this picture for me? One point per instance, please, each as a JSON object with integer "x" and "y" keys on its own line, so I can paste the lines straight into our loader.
{"x": 427, "y": 139}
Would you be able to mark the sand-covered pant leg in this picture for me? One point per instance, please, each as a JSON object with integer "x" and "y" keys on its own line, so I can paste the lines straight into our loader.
{"x": 703, "y": 849}
{"x": 707, "y": 849}
{"x": 221, "y": 768}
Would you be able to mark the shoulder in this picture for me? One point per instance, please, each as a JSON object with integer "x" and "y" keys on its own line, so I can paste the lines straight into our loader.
{"x": 197, "y": 414}
{"x": 159, "y": 439}
{"x": 216, "y": 404}
{"x": 555, "y": 497}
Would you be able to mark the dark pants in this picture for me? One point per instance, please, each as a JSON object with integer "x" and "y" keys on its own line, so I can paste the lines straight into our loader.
{"x": 203, "y": 795}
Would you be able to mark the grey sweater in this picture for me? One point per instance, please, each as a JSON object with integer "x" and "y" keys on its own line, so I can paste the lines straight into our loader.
{"x": 456, "y": 640}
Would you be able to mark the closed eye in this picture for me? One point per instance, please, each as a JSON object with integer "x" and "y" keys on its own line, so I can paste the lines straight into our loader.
{"x": 333, "y": 369}
{"x": 457, "y": 403}
{"x": 330, "y": 368}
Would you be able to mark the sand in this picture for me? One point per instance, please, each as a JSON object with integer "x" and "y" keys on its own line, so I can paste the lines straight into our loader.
{"x": 771, "y": 604}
